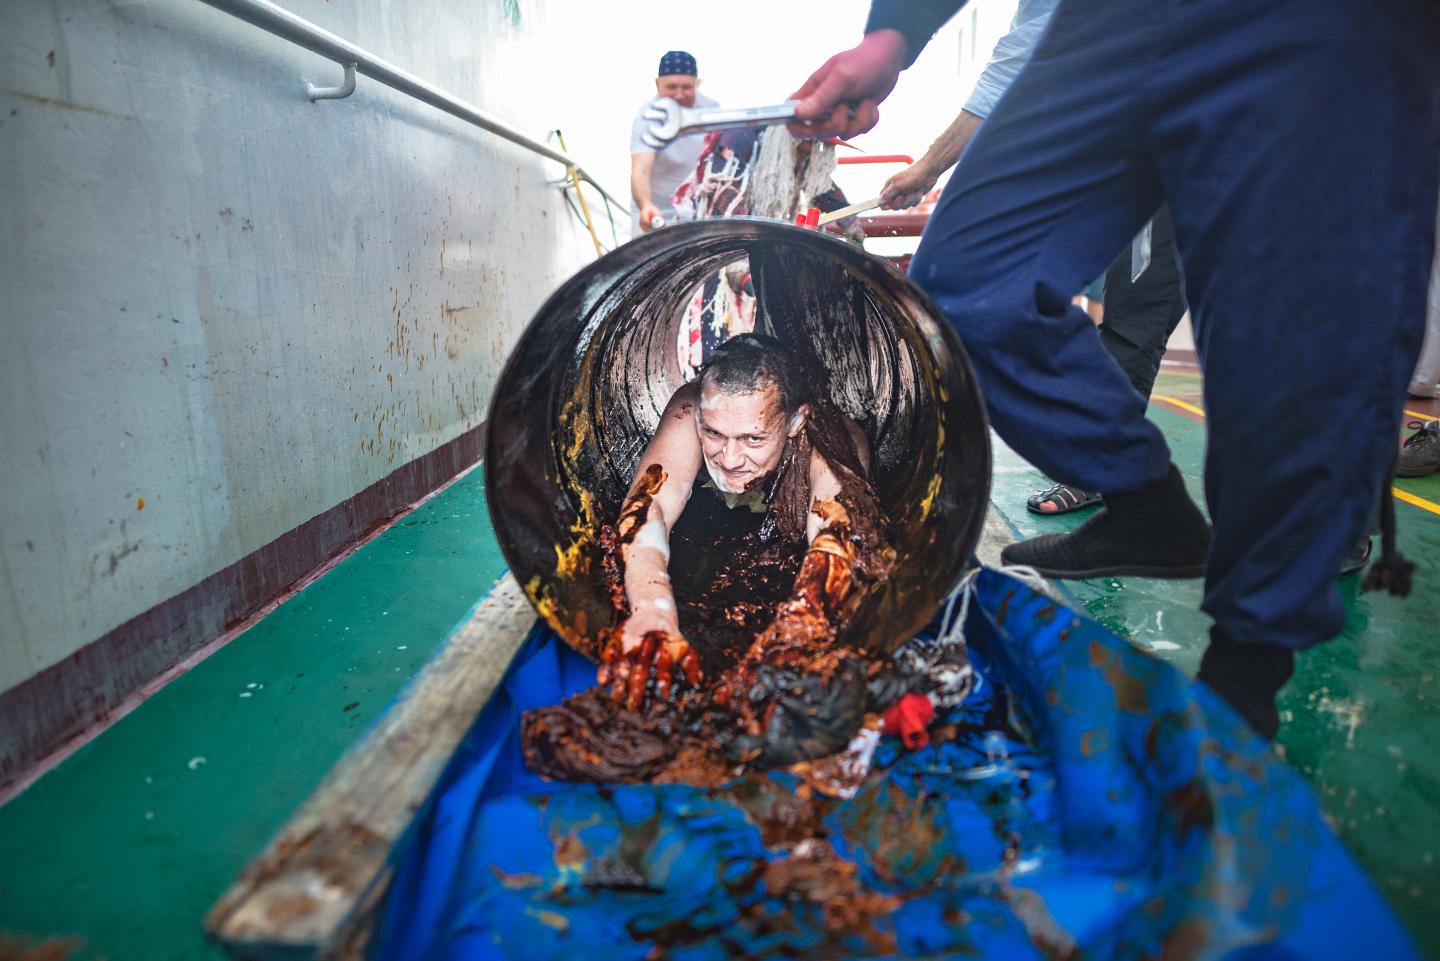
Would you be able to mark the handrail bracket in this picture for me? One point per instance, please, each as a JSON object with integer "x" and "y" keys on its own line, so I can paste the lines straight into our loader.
{"x": 346, "y": 88}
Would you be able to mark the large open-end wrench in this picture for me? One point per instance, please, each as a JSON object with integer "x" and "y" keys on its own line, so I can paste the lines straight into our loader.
{"x": 665, "y": 119}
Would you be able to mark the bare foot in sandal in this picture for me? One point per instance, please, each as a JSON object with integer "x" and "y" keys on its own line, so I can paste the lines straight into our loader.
{"x": 1060, "y": 499}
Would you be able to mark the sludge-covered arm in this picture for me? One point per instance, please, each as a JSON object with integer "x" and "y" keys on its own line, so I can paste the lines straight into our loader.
{"x": 647, "y": 642}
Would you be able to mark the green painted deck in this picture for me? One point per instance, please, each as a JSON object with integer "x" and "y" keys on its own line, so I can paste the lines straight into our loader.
{"x": 128, "y": 842}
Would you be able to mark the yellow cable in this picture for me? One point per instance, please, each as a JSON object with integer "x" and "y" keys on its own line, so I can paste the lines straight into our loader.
{"x": 584, "y": 207}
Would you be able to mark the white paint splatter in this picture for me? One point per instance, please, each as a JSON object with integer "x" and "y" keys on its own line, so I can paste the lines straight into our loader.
{"x": 195, "y": 762}
{"x": 719, "y": 479}
{"x": 652, "y": 535}
{"x": 1348, "y": 712}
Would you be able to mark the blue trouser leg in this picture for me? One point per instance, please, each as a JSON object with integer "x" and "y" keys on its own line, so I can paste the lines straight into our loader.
{"x": 1296, "y": 141}
{"x": 1049, "y": 190}
{"x": 1304, "y": 189}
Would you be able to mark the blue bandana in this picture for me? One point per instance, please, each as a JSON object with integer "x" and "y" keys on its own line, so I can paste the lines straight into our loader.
{"x": 677, "y": 61}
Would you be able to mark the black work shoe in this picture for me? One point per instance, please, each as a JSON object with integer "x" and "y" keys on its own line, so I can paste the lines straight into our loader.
{"x": 1247, "y": 677}
{"x": 1420, "y": 454}
{"x": 1156, "y": 531}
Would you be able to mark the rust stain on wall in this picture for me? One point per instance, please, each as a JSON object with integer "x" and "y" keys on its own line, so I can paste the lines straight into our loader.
{"x": 67, "y": 105}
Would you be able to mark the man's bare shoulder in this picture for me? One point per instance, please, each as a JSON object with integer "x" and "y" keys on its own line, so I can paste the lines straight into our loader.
{"x": 682, "y": 402}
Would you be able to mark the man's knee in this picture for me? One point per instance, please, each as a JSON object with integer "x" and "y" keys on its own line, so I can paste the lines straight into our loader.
{"x": 987, "y": 311}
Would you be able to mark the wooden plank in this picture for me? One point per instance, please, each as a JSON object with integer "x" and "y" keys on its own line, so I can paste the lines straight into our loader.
{"x": 311, "y": 892}
{"x": 844, "y": 212}
{"x": 995, "y": 536}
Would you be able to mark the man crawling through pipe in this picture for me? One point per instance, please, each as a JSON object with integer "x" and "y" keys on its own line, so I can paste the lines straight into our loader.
{"x": 747, "y": 540}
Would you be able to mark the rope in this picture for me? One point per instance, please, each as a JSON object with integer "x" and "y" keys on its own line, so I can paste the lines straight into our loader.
{"x": 777, "y": 189}
{"x": 952, "y": 627}
{"x": 580, "y": 195}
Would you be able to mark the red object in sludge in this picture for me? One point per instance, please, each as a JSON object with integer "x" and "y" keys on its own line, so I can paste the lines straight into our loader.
{"x": 908, "y": 718}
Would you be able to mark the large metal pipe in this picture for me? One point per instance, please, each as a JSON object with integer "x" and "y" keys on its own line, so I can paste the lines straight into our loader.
{"x": 282, "y": 23}
{"x": 584, "y": 387}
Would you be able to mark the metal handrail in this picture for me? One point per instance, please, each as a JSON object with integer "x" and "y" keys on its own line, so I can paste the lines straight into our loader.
{"x": 282, "y": 23}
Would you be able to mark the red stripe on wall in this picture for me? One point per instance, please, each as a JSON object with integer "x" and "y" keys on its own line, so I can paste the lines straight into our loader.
{"x": 39, "y": 715}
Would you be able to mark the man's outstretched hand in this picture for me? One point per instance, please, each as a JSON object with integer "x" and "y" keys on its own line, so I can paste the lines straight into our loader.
{"x": 657, "y": 658}
{"x": 908, "y": 188}
{"x": 842, "y": 98}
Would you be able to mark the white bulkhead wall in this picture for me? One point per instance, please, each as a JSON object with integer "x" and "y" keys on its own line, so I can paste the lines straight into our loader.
{"x": 240, "y": 308}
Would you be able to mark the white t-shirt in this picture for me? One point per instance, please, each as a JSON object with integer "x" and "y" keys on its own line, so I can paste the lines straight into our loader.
{"x": 673, "y": 165}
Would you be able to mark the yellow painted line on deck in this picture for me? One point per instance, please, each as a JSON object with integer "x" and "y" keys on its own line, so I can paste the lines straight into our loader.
{"x": 1414, "y": 500}
{"x": 1196, "y": 410}
{"x": 1182, "y": 404}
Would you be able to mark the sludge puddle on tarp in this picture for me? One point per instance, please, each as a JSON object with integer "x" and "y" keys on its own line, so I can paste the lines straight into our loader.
{"x": 1140, "y": 820}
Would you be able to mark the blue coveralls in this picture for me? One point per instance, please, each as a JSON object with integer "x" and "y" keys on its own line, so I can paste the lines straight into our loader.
{"x": 1298, "y": 144}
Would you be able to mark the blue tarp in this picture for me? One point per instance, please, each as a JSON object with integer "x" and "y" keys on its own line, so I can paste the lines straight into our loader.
{"x": 1093, "y": 801}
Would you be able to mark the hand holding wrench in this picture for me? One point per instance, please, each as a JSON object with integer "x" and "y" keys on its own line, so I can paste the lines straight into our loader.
{"x": 666, "y": 119}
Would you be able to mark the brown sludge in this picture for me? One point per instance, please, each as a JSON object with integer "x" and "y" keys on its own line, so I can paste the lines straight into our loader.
{"x": 775, "y": 610}
{"x": 814, "y": 872}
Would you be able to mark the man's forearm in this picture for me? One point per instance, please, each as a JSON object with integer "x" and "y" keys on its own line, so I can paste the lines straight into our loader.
{"x": 640, "y": 187}
{"x": 647, "y": 584}
{"x": 647, "y": 573}
{"x": 947, "y": 148}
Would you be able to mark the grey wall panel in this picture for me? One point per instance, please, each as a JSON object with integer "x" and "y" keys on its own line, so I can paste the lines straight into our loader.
{"x": 235, "y": 306}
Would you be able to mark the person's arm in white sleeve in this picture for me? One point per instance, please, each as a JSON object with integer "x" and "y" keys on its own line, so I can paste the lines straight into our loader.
{"x": 642, "y": 164}
{"x": 1010, "y": 55}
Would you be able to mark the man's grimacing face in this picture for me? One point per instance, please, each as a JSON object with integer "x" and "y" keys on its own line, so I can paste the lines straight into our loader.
{"x": 743, "y": 435}
{"x": 679, "y": 87}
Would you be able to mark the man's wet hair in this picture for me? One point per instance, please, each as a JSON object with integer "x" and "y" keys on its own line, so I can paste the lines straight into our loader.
{"x": 751, "y": 362}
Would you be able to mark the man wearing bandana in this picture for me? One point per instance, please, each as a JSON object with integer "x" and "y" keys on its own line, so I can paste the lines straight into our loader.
{"x": 654, "y": 174}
